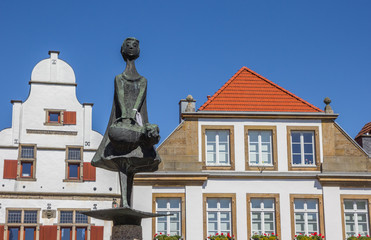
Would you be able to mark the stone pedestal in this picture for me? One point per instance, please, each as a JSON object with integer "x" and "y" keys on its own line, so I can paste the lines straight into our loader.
{"x": 127, "y": 232}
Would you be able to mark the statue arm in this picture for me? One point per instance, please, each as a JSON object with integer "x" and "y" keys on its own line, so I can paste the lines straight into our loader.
{"x": 119, "y": 91}
{"x": 141, "y": 96}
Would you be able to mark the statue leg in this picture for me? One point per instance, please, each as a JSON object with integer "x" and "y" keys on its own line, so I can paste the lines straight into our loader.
{"x": 124, "y": 189}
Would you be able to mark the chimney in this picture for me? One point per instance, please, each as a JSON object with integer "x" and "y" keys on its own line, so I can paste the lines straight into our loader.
{"x": 186, "y": 106}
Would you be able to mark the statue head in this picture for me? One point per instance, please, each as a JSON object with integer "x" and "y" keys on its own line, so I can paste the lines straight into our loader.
{"x": 130, "y": 49}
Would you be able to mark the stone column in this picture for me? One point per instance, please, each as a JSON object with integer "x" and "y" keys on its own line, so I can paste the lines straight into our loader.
{"x": 126, "y": 232}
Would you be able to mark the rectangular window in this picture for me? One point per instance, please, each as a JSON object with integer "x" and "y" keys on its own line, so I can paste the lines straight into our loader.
{"x": 169, "y": 203}
{"x": 303, "y": 148}
{"x": 26, "y": 162}
{"x": 219, "y": 216}
{"x": 73, "y": 224}
{"x": 169, "y": 224}
{"x": 262, "y": 216}
{"x": 74, "y": 163}
{"x": 218, "y": 147}
{"x": 306, "y": 216}
{"x": 81, "y": 233}
{"x": 22, "y": 222}
{"x": 260, "y": 147}
{"x": 14, "y": 233}
{"x": 29, "y": 233}
{"x": 54, "y": 117}
{"x": 74, "y": 153}
{"x": 356, "y": 217}
{"x": 28, "y": 152}
{"x": 302, "y": 145}
{"x": 66, "y": 233}
{"x": 66, "y": 217}
{"x": 73, "y": 171}
{"x": 26, "y": 169}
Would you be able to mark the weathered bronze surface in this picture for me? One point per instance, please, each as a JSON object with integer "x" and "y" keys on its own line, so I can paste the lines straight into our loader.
{"x": 128, "y": 143}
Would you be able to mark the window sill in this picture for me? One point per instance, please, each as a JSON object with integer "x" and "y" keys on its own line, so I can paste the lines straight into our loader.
{"x": 304, "y": 168}
{"x": 26, "y": 179}
{"x": 53, "y": 124}
{"x": 261, "y": 167}
{"x": 73, "y": 180}
{"x": 218, "y": 167}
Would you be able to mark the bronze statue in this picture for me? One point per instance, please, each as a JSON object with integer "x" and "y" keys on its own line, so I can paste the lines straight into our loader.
{"x": 128, "y": 143}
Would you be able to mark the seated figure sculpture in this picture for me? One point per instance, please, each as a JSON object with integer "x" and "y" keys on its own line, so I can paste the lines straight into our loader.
{"x": 128, "y": 143}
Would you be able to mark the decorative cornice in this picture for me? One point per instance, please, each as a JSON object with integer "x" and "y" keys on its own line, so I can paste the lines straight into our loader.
{"x": 52, "y": 132}
{"x": 58, "y": 195}
{"x": 53, "y": 83}
{"x": 259, "y": 115}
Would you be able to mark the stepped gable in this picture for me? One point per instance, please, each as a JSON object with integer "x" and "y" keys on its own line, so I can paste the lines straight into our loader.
{"x": 366, "y": 129}
{"x": 247, "y": 91}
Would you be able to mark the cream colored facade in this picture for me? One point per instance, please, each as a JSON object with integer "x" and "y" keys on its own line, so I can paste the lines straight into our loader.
{"x": 340, "y": 173}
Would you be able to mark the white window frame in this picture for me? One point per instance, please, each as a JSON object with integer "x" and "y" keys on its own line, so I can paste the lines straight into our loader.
{"x": 262, "y": 210}
{"x": 306, "y": 211}
{"x": 218, "y": 210}
{"x": 169, "y": 210}
{"x": 217, "y": 143}
{"x": 260, "y": 163}
{"x": 355, "y": 213}
{"x": 302, "y": 154}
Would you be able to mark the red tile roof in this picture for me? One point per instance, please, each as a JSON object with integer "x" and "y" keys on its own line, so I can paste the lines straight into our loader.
{"x": 366, "y": 129}
{"x": 248, "y": 91}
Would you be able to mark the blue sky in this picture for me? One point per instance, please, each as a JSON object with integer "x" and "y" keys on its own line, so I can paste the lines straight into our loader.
{"x": 312, "y": 48}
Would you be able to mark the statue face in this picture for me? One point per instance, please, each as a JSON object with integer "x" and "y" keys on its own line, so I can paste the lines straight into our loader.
{"x": 130, "y": 49}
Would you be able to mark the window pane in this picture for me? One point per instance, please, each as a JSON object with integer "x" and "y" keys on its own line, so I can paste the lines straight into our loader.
{"x": 254, "y": 158}
{"x": 311, "y": 204}
{"x": 161, "y": 223}
{"x": 308, "y": 159}
{"x": 299, "y": 203}
{"x": 223, "y": 136}
{"x": 27, "y": 152}
{"x": 256, "y": 216}
{"x": 296, "y": 148}
{"x": 268, "y": 203}
{"x": 308, "y": 148}
{"x": 268, "y": 227}
{"x": 73, "y": 170}
{"x": 174, "y": 203}
{"x": 29, "y": 233}
{"x": 54, "y": 116}
{"x": 13, "y": 233}
{"x": 361, "y": 205}
{"x": 225, "y": 216}
{"x": 296, "y": 159}
{"x": 255, "y": 203}
{"x": 211, "y": 136}
{"x": 81, "y": 218}
{"x": 295, "y": 137}
{"x": 266, "y": 136}
{"x": 253, "y": 136}
{"x": 14, "y": 216}
{"x": 225, "y": 203}
{"x": 268, "y": 217}
{"x": 348, "y": 204}
{"x": 30, "y": 216}
{"x": 80, "y": 233}
{"x": 66, "y": 217}
{"x": 66, "y": 234}
{"x": 161, "y": 203}
{"x": 26, "y": 169}
{"x": 74, "y": 153}
{"x": 212, "y": 203}
{"x": 223, "y": 158}
{"x": 308, "y": 137}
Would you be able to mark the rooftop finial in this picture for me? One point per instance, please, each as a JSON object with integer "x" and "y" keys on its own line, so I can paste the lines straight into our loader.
{"x": 328, "y": 108}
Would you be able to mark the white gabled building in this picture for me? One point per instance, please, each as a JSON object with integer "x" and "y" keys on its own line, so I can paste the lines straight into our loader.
{"x": 46, "y": 177}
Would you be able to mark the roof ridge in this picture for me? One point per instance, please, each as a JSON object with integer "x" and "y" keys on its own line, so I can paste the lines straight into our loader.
{"x": 284, "y": 90}
{"x": 222, "y": 88}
